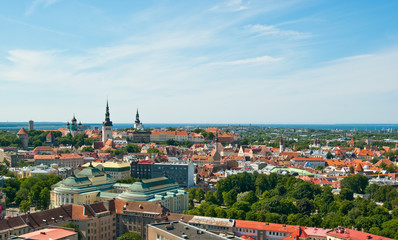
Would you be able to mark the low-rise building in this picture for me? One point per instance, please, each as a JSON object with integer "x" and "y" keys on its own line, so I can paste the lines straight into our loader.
{"x": 72, "y": 160}
{"x": 117, "y": 170}
{"x": 52, "y": 233}
{"x": 180, "y": 230}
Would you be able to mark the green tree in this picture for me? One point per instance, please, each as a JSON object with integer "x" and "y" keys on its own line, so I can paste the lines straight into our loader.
{"x": 346, "y": 194}
{"x": 199, "y": 195}
{"x": 88, "y": 149}
{"x": 230, "y": 197}
{"x": 24, "y": 206}
{"x": 153, "y": 150}
{"x": 132, "y": 148}
{"x": 44, "y": 198}
{"x": 357, "y": 183}
{"x": 305, "y": 206}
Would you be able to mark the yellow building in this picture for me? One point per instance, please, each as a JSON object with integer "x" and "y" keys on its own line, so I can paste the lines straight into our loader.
{"x": 117, "y": 170}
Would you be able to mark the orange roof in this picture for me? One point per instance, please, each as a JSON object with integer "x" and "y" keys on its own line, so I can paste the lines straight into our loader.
{"x": 385, "y": 161}
{"x": 78, "y": 212}
{"x": 335, "y": 163}
{"x": 181, "y": 133}
{"x": 43, "y": 148}
{"x": 69, "y": 156}
{"x": 387, "y": 149}
{"x": 201, "y": 158}
{"x": 346, "y": 233}
{"x": 265, "y": 226}
{"x": 45, "y": 156}
{"x": 290, "y": 154}
{"x": 107, "y": 148}
{"x": 308, "y": 159}
{"x": 109, "y": 142}
{"x": 213, "y": 130}
{"x": 49, "y": 233}
{"x": 366, "y": 153}
{"x": 22, "y": 131}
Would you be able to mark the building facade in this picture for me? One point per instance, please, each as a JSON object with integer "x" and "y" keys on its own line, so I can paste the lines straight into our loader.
{"x": 181, "y": 173}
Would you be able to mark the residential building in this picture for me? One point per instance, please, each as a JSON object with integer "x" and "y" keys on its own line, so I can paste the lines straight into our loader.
{"x": 11, "y": 155}
{"x": 142, "y": 169}
{"x": 309, "y": 161}
{"x": 52, "y": 233}
{"x": 72, "y": 160}
{"x": 181, "y": 173}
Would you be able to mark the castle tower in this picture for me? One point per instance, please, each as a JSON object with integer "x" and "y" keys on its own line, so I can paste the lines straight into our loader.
{"x": 106, "y": 125}
{"x": 23, "y": 136}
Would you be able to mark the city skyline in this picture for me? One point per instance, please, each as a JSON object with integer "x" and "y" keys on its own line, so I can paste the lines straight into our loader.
{"x": 259, "y": 62}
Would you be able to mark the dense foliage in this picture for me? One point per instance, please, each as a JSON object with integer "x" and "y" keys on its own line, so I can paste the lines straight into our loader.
{"x": 32, "y": 191}
{"x": 130, "y": 236}
{"x": 9, "y": 139}
{"x": 271, "y": 198}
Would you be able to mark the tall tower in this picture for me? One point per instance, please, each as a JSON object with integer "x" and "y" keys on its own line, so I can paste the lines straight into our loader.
{"x": 30, "y": 125}
{"x": 23, "y": 136}
{"x": 281, "y": 146}
{"x": 106, "y": 126}
{"x": 137, "y": 123}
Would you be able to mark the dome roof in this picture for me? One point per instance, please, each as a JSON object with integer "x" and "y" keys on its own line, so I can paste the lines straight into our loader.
{"x": 69, "y": 181}
{"x": 90, "y": 172}
{"x": 137, "y": 187}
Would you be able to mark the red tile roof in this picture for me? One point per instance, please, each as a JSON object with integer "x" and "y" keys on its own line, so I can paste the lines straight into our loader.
{"x": 49, "y": 233}
{"x": 22, "y": 131}
{"x": 308, "y": 159}
{"x": 346, "y": 233}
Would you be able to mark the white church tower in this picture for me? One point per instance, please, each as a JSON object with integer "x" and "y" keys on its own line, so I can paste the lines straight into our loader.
{"x": 106, "y": 126}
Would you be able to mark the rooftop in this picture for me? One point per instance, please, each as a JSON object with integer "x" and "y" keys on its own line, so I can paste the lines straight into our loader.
{"x": 183, "y": 230}
{"x": 49, "y": 233}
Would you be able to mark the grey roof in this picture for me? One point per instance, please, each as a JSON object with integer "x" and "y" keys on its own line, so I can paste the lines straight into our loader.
{"x": 180, "y": 229}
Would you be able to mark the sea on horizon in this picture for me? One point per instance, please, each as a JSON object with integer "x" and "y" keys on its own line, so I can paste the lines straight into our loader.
{"x": 57, "y": 125}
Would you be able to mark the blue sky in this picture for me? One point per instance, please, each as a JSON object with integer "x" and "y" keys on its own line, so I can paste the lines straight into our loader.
{"x": 232, "y": 61}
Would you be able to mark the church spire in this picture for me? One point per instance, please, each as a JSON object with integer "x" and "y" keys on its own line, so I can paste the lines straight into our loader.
{"x": 137, "y": 116}
{"x": 107, "y": 121}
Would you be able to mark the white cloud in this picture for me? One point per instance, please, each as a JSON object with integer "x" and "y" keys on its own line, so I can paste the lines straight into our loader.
{"x": 254, "y": 61}
{"x": 270, "y": 30}
{"x": 38, "y": 3}
{"x": 230, "y": 6}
